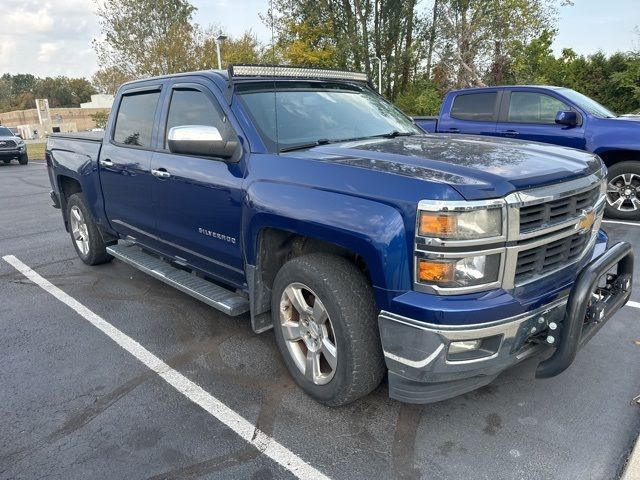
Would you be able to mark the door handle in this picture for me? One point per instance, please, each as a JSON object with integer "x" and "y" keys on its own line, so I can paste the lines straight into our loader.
{"x": 106, "y": 162}
{"x": 510, "y": 133}
{"x": 160, "y": 173}
{"x": 453, "y": 130}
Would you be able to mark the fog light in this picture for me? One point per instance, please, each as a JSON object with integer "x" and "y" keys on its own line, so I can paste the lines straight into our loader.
{"x": 464, "y": 346}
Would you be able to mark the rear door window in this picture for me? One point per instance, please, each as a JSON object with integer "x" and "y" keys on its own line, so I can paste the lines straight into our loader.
{"x": 134, "y": 123}
{"x": 480, "y": 107}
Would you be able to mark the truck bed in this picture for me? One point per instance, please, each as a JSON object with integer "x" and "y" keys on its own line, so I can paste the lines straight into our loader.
{"x": 86, "y": 136}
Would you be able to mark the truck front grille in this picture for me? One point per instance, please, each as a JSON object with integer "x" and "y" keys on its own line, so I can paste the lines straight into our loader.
{"x": 542, "y": 215}
{"x": 551, "y": 256}
{"x": 7, "y": 144}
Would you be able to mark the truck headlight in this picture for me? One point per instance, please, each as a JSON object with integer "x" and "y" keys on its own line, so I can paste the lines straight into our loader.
{"x": 459, "y": 272}
{"x": 461, "y": 225}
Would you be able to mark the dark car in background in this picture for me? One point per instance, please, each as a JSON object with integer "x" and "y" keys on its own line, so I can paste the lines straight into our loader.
{"x": 12, "y": 147}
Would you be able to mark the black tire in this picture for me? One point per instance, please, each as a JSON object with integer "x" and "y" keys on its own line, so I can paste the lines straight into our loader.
{"x": 24, "y": 159}
{"x": 615, "y": 172}
{"x": 348, "y": 299}
{"x": 6, "y": 160}
{"x": 97, "y": 250}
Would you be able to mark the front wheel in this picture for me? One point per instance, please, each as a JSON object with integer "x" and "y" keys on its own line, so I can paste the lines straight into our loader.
{"x": 325, "y": 323}
{"x": 85, "y": 235}
{"x": 623, "y": 191}
{"x": 24, "y": 159}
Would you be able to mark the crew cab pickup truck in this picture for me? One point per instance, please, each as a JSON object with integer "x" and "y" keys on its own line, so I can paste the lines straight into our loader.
{"x": 12, "y": 147}
{"x": 304, "y": 199}
{"x": 560, "y": 116}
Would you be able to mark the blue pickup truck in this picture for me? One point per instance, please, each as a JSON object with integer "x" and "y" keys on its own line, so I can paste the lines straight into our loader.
{"x": 560, "y": 116}
{"x": 304, "y": 199}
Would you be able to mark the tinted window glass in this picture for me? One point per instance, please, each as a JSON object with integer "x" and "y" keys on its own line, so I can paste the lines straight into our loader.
{"x": 588, "y": 104}
{"x": 308, "y": 112}
{"x": 531, "y": 107}
{"x": 134, "y": 123}
{"x": 474, "y": 106}
{"x": 192, "y": 107}
{"x": 5, "y": 132}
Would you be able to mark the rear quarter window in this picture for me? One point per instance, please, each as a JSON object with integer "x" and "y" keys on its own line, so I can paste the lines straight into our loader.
{"x": 475, "y": 106}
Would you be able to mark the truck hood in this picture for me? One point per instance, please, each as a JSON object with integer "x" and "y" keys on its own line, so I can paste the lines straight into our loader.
{"x": 477, "y": 167}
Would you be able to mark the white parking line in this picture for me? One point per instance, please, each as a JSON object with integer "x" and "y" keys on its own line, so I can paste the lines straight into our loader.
{"x": 248, "y": 432}
{"x": 633, "y": 304}
{"x": 620, "y": 222}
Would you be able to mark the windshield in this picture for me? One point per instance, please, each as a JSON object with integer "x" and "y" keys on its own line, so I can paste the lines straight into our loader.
{"x": 5, "y": 132}
{"x": 587, "y": 104}
{"x": 311, "y": 113}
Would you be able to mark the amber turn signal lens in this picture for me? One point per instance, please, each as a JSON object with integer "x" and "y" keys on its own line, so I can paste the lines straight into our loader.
{"x": 436, "y": 224}
{"x": 430, "y": 271}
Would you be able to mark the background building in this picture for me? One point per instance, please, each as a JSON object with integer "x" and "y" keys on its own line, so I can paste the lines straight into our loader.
{"x": 41, "y": 121}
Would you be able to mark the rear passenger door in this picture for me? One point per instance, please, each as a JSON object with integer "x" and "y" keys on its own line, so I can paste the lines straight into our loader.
{"x": 125, "y": 161}
{"x": 473, "y": 112}
{"x": 531, "y": 115}
{"x": 198, "y": 205}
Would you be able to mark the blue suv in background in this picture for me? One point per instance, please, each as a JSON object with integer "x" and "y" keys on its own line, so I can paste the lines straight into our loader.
{"x": 556, "y": 115}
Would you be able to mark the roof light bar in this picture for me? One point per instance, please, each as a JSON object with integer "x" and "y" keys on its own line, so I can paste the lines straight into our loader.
{"x": 297, "y": 72}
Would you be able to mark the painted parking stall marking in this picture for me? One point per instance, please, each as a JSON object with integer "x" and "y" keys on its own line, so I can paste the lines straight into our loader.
{"x": 620, "y": 222}
{"x": 247, "y": 431}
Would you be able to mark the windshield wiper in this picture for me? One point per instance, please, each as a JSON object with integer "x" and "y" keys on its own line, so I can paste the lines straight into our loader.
{"x": 394, "y": 134}
{"x": 326, "y": 141}
{"x": 302, "y": 146}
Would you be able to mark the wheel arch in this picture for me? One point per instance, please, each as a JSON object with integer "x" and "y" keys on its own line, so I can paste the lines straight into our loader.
{"x": 275, "y": 229}
{"x": 611, "y": 156}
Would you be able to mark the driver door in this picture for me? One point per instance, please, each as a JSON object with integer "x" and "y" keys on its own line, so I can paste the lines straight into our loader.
{"x": 198, "y": 200}
{"x": 530, "y": 115}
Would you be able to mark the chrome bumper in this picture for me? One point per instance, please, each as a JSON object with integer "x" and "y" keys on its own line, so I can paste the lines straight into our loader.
{"x": 423, "y": 370}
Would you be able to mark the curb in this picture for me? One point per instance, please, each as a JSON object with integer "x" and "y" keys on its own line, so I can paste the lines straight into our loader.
{"x": 632, "y": 469}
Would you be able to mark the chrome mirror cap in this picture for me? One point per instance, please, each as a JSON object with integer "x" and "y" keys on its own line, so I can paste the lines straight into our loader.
{"x": 202, "y": 140}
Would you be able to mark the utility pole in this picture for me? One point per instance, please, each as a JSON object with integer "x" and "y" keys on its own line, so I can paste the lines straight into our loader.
{"x": 219, "y": 39}
{"x": 377, "y": 59}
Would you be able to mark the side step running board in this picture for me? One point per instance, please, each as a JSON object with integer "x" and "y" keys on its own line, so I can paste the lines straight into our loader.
{"x": 214, "y": 295}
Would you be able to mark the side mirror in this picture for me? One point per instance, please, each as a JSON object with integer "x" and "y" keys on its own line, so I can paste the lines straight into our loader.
{"x": 567, "y": 118}
{"x": 201, "y": 140}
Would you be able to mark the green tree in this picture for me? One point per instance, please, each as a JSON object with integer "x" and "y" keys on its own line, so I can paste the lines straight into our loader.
{"x": 100, "y": 119}
{"x": 243, "y": 50}
{"x": 108, "y": 80}
{"x": 146, "y": 37}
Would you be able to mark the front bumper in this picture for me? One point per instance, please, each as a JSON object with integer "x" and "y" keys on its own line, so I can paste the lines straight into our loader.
{"x": 423, "y": 369}
{"x": 12, "y": 153}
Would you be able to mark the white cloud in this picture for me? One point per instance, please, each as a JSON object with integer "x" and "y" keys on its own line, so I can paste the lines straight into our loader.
{"x": 46, "y": 51}
{"x": 48, "y": 38}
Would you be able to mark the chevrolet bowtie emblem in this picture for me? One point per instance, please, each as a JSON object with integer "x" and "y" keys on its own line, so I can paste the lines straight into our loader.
{"x": 587, "y": 219}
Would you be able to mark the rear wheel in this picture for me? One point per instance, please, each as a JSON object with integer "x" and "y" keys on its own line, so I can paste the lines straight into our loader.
{"x": 325, "y": 323}
{"x": 24, "y": 159}
{"x": 623, "y": 191}
{"x": 84, "y": 232}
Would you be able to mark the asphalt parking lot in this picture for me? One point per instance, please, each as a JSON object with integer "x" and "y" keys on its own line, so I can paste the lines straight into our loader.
{"x": 75, "y": 404}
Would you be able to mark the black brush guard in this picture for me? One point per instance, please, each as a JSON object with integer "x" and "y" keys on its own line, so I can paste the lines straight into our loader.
{"x": 590, "y": 305}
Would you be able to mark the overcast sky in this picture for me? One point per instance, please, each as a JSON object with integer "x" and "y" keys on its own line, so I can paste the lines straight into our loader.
{"x": 49, "y": 38}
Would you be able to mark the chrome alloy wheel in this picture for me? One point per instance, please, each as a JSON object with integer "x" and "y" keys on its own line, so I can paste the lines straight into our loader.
{"x": 79, "y": 230}
{"x": 623, "y": 192}
{"x": 308, "y": 333}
